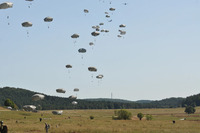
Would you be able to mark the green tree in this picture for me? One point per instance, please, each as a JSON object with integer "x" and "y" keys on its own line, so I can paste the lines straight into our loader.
{"x": 122, "y": 114}
{"x": 140, "y": 116}
{"x": 10, "y": 103}
{"x": 190, "y": 109}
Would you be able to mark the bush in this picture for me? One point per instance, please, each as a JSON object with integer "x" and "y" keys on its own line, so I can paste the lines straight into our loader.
{"x": 190, "y": 110}
{"x": 149, "y": 117}
{"x": 10, "y": 103}
{"x": 140, "y": 116}
{"x": 91, "y": 117}
{"x": 122, "y": 115}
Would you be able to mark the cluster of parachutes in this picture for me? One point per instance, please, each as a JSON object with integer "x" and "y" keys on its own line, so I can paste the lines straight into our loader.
{"x": 97, "y": 31}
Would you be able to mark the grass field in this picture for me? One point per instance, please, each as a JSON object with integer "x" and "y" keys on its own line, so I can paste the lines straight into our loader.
{"x": 80, "y": 122}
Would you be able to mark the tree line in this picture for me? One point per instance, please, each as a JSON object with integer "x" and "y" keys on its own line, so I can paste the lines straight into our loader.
{"x": 22, "y": 97}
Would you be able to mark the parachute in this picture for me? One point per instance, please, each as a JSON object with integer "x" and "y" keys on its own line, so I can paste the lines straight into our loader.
{"x": 86, "y": 11}
{"x": 99, "y": 76}
{"x": 37, "y": 97}
{"x": 72, "y": 97}
{"x": 107, "y": 16}
{"x": 27, "y": 24}
{"x": 82, "y": 50}
{"x": 122, "y": 25}
{"x": 106, "y": 31}
{"x": 92, "y": 69}
{"x": 29, "y": 107}
{"x": 68, "y": 66}
{"x": 6, "y": 5}
{"x": 48, "y": 19}
{"x": 74, "y": 103}
{"x": 91, "y": 43}
{"x": 57, "y": 112}
{"x": 60, "y": 90}
{"x": 101, "y": 23}
{"x": 122, "y": 32}
{"x": 119, "y": 36}
{"x": 103, "y": 30}
{"x": 95, "y": 33}
{"x": 76, "y": 89}
{"x": 75, "y": 36}
{"x": 112, "y": 9}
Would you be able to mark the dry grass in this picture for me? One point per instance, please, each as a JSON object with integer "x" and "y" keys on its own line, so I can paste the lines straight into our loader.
{"x": 79, "y": 122}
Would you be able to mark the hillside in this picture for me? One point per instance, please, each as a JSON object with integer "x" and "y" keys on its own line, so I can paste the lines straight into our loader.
{"x": 22, "y": 97}
{"x": 108, "y": 99}
{"x": 193, "y": 100}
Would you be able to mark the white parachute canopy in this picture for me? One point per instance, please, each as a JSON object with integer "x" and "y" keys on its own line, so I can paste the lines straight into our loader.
{"x": 76, "y": 89}
{"x": 74, "y": 102}
{"x": 92, "y": 69}
{"x": 68, "y": 66}
{"x": 122, "y": 32}
{"x": 122, "y": 25}
{"x": 37, "y": 97}
{"x": 106, "y": 31}
{"x": 72, "y": 97}
{"x": 101, "y": 23}
{"x": 29, "y": 107}
{"x": 119, "y": 36}
{"x": 82, "y": 50}
{"x": 112, "y": 9}
{"x": 107, "y": 16}
{"x": 75, "y": 36}
{"x": 95, "y": 33}
{"x": 48, "y": 19}
{"x": 99, "y": 76}
{"x": 6, "y": 5}
{"x": 60, "y": 90}
{"x": 91, "y": 43}
{"x": 27, "y": 24}
{"x": 57, "y": 112}
{"x": 86, "y": 11}
{"x": 103, "y": 30}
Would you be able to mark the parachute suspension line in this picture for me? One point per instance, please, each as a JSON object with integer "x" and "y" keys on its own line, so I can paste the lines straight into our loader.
{"x": 8, "y": 20}
{"x": 29, "y": 6}
{"x": 75, "y": 42}
{"x": 92, "y": 76}
{"x": 27, "y": 33}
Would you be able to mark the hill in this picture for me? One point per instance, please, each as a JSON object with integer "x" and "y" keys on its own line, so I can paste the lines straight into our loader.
{"x": 193, "y": 100}
{"x": 22, "y": 97}
{"x": 108, "y": 99}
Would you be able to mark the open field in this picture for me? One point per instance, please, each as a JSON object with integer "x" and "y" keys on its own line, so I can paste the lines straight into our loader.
{"x": 79, "y": 121}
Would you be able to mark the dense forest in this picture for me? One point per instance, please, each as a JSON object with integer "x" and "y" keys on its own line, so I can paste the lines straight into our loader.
{"x": 192, "y": 100}
{"x": 22, "y": 97}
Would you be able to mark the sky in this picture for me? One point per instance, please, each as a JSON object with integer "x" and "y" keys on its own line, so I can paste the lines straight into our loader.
{"x": 157, "y": 58}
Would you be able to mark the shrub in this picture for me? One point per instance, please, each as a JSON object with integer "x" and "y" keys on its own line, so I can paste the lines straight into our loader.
{"x": 122, "y": 115}
{"x": 149, "y": 117}
{"x": 91, "y": 117}
{"x": 10, "y": 103}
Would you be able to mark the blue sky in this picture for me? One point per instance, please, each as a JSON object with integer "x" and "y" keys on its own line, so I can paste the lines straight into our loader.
{"x": 157, "y": 58}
